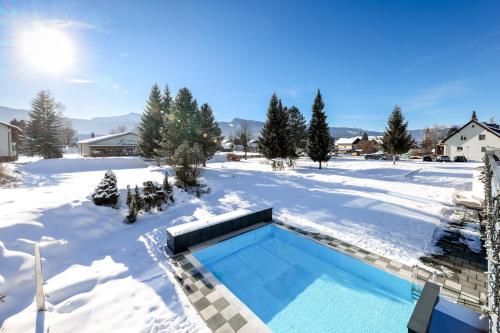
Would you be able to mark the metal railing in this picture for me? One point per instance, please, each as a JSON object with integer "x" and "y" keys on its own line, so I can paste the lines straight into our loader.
{"x": 492, "y": 237}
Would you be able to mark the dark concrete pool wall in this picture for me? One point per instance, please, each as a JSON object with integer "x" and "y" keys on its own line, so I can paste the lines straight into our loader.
{"x": 179, "y": 240}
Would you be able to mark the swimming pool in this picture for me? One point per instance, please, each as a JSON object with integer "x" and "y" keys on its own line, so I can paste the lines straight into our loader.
{"x": 294, "y": 284}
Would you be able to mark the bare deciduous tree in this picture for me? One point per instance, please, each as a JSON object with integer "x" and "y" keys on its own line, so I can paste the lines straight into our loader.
{"x": 118, "y": 129}
{"x": 245, "y": 135}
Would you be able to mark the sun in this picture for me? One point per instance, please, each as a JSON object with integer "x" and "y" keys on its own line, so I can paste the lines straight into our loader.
{"x": 47, "y": 49}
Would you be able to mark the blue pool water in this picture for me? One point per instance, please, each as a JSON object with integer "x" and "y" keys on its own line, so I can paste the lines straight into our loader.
{"x": 294, "y": 284}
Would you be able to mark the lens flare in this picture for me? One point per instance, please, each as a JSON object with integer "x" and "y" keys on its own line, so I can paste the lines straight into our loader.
{"x": 47, "y": 49}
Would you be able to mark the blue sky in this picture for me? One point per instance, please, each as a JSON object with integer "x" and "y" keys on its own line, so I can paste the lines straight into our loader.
{"x": 439, "y": 60}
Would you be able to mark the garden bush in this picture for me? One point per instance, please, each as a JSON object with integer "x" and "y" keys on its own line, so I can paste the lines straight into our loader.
{"x": 106, "y": 192}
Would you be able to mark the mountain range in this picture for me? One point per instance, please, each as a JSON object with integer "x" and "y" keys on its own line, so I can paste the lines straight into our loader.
{"x": 103, "y": 125}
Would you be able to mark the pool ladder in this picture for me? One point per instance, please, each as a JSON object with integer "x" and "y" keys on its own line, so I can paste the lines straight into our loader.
{"x": 416, "y": 290}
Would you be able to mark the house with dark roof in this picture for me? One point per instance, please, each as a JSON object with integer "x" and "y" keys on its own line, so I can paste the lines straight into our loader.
{"x": 471, "y": 140}
{"x": 8, "y": 149}
{"x": 121, "y": 144}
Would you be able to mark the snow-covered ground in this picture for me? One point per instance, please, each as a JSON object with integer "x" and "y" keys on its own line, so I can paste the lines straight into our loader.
{"x": 102, "y": 275}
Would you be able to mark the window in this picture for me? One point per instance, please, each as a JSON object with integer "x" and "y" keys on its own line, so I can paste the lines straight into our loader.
{"x": 483, "y": 149}
{"x": 463, "y": 137}
{"x": 482, "y": 136}
{"x": 473, "y": 125}
{"x": 460, "y": 148}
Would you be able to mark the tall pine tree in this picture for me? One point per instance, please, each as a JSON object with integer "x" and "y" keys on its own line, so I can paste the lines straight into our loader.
{"x": 210, "y": 132}
{"x": 166, "y": 101}
{"x": 396, "y": 138}
{"x": 181, "y": 125}
{"x": 318, "y": 143}
{"x": 43, "y": 130}
{"x": 297, "y": 130}
{"x": 151, "y": 123}
{"x": 273, "y": 140}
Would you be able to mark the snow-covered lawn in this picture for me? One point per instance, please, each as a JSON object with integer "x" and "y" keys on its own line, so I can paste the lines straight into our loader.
{"x": 102, "y": 275}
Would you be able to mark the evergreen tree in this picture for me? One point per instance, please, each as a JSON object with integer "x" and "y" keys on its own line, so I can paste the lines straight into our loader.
{"x": 291, "y": 152}
{"x": 106, "y": 192}
{"x": 168, "y": 188}
{"x": 474, "y": 116}
{"x": 273, "y": 140}
{"x": 149, "y": 199}
{"x": 134, "y": 204}
{"x": 318, "y": 143}
{"x": 298, "y": 129}
{"x": 396, "y": 138}
{"x": 188, "y": 161}
{"x": 182, "y": 124}
{"x": 137, "y": 199}
{"x": 151, "y": 123}
{"x": 160, "y": 196}
{"x": 166, "y": 101}
{"x": 129, "y": 196}
{"x": 43, "y": 130}
{"x": 210, "y": 132}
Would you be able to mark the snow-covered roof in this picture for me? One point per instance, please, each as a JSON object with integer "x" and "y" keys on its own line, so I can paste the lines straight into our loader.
{"x": 105, "y": 137}
{"x": 349, "y": 141}
{"x": 487, "y": 126}
{"x": 346, "y": 141}
{"x": 11, "y": 126}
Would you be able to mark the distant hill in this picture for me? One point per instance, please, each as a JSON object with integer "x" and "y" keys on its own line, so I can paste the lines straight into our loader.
{"x": 231, "y": 128}
{"x": 7, "y": 114}
{"x": 103, "y": 125}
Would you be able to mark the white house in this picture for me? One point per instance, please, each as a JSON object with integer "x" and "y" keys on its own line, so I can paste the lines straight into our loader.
{"x": 8, "y": 149}
{"x": 346, "y": 145}
{"x": 253, "y": 145}
{"x": 121, "y": 144}
{"x": 227, "y": 144}
{"x": 471, "y": 140}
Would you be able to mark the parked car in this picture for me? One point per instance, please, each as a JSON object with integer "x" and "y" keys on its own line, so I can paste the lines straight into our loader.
{"x": 372, "y": 156}
{"x": 443, "y": 158}
{"x": 427, "y": 158}
{"x": 460, "y": 159}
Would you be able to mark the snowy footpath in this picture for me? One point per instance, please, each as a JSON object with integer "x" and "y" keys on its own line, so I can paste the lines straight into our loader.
{"x": 102, "y": 275}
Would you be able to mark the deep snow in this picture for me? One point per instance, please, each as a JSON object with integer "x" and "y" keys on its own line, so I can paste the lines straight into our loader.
{"x": 103, "y": 275}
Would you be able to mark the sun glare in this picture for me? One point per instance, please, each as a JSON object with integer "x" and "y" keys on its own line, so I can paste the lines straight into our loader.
{"x": 47, "y": 50}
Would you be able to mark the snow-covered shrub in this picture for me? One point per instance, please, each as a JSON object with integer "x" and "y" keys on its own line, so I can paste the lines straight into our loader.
{"x": 188, "y": 161}
{"x": 169, "y": 189}
{"x": 134, "y": 203}
{"x": 138, "y": 201}
{"x": 129, "y": 196}
{"x": 154, "y": 196}
{"x": 106, "y": 193}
